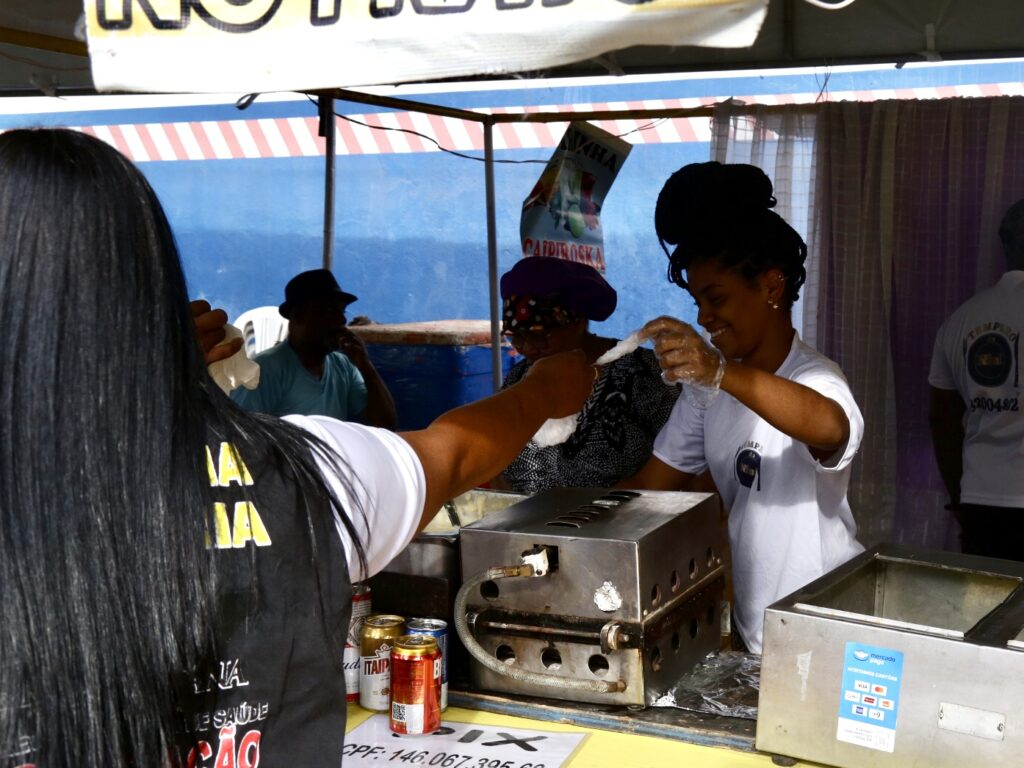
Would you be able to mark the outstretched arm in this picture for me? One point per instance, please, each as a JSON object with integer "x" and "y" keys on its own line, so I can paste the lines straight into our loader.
{"x": 656, "y": 475}
{"x": 471, "y": 444}
{"x": 798, "y": 411}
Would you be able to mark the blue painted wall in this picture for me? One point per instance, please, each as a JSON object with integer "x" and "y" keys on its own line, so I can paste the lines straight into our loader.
{"x": 411, "y": 233}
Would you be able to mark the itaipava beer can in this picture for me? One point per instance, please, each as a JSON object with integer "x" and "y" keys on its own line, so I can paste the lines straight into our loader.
{"x": 378, "y": 637}
{"x": 361, "y": 608}
{"x": 437, "y": 629}
{"x": 415, "y": 685}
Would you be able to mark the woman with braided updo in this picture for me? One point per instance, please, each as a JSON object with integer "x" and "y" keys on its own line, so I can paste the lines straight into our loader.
{"x": 773, "y": 420}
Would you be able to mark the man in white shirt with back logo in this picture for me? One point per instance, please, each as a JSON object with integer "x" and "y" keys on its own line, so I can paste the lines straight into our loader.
{"x": 975, "y": 406}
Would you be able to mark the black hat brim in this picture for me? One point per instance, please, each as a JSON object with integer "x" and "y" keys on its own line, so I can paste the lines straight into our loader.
{"x": 349, "y": 298}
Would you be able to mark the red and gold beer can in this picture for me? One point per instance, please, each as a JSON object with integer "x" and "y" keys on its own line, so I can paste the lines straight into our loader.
{"x": 415, "y": 685}
{"x": 378, "y": 638}
{"x": 361, "y": 608}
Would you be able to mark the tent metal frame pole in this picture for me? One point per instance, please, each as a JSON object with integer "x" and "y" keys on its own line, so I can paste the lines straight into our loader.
{"x": 487, "y": 122}
{"x": 492, "y": 255}
{"x": 325, "y": 104}
{"x": 407, "y": 105}
{"x": 25, "y": 39}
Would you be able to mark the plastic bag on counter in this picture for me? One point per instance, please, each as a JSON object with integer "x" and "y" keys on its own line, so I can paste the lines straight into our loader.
{"x": 725, "y": 683}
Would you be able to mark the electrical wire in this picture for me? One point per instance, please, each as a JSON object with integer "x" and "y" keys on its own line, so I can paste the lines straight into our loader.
{"x": 435, "y": 142}
{"x": 823, "y": 90}
{"x": 245, "y": 101}
{"x": 431, "y": 139}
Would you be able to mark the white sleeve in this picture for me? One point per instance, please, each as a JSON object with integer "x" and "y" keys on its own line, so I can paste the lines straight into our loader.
{"x": 383, "y": 495}
{"x": 940, "y": 374}
{"x": 833, "y": 385}
{"x": 680, "y": 443}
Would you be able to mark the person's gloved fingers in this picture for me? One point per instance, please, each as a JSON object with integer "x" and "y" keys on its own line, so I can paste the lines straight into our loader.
{"x": 663, "y": 325}
{"x": 685, "y": 350}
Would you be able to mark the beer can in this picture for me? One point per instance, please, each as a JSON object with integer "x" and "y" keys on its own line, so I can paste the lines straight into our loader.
{"x": 415, "y": 685}
{"x": 378, "y": 637}
{"x": 437, "y": 629}
{"x": 350, "y": 661}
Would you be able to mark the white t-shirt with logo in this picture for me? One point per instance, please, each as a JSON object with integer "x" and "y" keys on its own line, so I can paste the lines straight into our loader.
{"x": 789, "y": 520}
{"x": 977, "y": 352}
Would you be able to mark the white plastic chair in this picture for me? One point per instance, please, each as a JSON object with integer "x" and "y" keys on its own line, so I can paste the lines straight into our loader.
{"x": 262, "y": 328}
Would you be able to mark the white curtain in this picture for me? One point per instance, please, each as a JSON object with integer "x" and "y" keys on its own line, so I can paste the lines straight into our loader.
{"x": 779, "y": 141}
{"x": 909, "y": 197}
{"x": 899, "y": 202}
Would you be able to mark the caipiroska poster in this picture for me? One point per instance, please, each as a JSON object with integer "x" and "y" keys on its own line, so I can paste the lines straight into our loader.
{"x": 562, "y": 214}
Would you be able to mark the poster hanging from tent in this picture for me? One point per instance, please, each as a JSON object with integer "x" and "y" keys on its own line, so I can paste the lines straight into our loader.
{"x": 562, "y": 214}
{"x": 276, "y": 45}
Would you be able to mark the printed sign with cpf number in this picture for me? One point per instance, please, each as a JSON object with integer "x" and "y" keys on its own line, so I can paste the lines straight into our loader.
{"x": 458, "y": 745}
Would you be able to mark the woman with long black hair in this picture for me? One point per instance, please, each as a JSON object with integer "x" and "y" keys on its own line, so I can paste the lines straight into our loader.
{"x": 772, "y": 420}
{"x": 175, "y": 573}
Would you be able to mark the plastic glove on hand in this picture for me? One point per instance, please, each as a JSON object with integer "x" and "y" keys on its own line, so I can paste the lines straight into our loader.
{"x": 684, "y": 355}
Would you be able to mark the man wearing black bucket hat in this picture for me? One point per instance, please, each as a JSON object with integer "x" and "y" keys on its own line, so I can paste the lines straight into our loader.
{"x": 322, "y": 368}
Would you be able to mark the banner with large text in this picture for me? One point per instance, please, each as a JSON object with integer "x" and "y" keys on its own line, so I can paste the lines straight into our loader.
{"x": 278, "y": 45}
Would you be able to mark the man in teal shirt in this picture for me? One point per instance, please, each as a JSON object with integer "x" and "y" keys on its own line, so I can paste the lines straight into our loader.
{"x": 322, "y": 368}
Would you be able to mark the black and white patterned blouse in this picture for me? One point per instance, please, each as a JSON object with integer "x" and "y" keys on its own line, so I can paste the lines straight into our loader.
{"x": 614, "y": 434}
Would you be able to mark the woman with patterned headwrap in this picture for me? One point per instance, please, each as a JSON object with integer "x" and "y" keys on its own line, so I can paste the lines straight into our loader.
{"x": 547, "y": 308}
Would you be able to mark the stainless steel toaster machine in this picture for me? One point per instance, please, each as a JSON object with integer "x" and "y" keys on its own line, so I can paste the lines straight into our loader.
{"x": 592, "y": 595}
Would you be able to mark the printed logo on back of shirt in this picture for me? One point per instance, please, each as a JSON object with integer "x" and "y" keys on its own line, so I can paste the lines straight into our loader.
{"x": 991, "y": 354}
{"x": 989, "y": 360}
{"x": 748, "y": 465}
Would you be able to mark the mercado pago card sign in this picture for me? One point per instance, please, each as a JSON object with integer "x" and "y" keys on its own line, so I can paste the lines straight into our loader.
{"x": 274, "y": 45}
{"x": 869, "y": 701}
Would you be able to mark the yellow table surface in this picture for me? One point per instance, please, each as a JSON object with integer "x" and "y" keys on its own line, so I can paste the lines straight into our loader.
{"x": 607, "y": 749}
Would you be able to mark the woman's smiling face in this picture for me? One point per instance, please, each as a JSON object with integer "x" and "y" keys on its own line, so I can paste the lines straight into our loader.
{"x": 735, "y": 311}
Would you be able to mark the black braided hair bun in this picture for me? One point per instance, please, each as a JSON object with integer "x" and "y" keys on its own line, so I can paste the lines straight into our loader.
{"x": 700, "y": 191}
{"x": 722, "y": 211}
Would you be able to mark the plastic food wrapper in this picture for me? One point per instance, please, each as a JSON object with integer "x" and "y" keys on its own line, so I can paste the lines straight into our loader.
{"x": 561, "y": 216}
{"x": 700, "y": 394}
{"x": 557, "y": 431}
{"x": 725, "y": 683}
{"x": 237, "y": 370}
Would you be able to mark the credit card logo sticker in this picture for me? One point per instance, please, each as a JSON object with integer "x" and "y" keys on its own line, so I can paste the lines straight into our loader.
{"x": 870, "y": 696}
